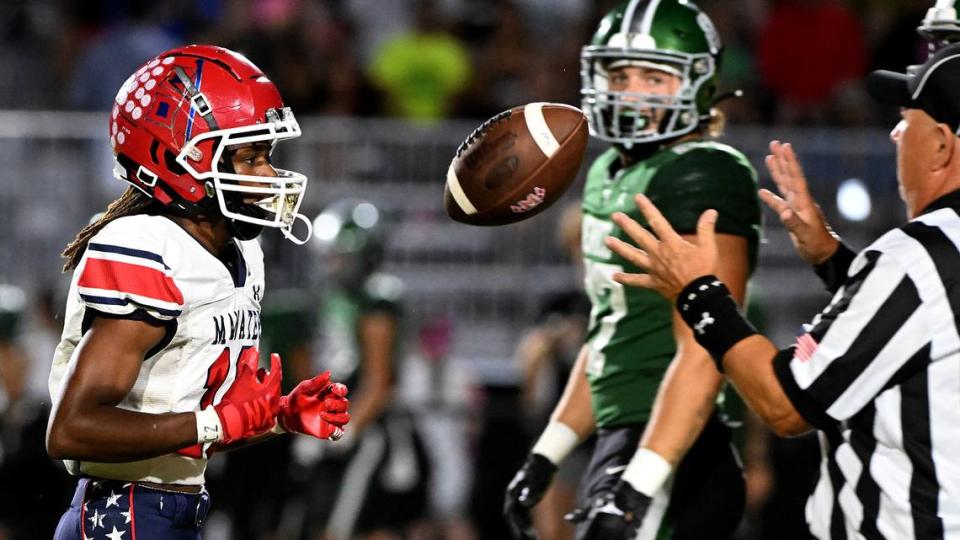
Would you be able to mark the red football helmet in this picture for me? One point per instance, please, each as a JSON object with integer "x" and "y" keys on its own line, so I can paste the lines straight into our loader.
{"x": 177, "y": 118}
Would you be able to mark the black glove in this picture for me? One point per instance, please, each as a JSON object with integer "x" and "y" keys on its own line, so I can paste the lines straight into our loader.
{"x": 525, "y": 490}
{"x": 617, "y": 514}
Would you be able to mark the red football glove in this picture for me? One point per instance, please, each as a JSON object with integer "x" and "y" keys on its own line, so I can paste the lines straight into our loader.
{"x": 250, "y": 404}
{"x": 316, "y": 407}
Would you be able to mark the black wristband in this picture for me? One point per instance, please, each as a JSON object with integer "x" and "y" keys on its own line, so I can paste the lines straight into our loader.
{"x": 833, "y": 271}
{"x": 708, "y": 309}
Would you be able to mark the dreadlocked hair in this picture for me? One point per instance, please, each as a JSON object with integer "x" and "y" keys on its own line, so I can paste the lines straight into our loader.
{"x": 132, "y": 202}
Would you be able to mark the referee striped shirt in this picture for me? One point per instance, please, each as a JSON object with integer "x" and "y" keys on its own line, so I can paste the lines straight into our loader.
{"x": 878, "y": 373}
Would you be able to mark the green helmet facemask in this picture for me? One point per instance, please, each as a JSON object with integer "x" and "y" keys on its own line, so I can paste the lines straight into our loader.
{"x": 673, "y": 36}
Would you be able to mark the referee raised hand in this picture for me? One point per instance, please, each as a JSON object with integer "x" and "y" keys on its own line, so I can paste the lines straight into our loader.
{"x": 813, "y": 238}
{"x": 878, "y": 370}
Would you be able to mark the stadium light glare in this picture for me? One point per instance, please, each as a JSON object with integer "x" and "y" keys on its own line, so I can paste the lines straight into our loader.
{"x": 853, "y": 200}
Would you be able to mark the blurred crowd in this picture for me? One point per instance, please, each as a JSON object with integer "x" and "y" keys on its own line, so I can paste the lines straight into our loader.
{"x": 797, "y": 61}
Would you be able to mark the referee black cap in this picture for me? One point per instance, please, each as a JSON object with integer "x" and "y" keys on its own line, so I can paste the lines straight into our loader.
{"x": 933, "y": 88}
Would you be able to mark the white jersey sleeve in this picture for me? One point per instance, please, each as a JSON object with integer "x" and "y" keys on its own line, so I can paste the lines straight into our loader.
{"x": 124, "y": 270}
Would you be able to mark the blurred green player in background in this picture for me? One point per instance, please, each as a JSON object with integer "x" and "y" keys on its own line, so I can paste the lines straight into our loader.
{"x": 255, "y": 498}
{"x": 374, "y": 481}
{"x": 663, "y": 465}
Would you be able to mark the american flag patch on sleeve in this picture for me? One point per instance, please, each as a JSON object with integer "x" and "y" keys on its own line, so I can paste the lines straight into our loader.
{"x": 806, "y": 346}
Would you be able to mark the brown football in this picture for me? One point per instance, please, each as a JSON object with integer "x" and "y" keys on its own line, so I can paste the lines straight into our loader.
{"x": 516, "y": 164}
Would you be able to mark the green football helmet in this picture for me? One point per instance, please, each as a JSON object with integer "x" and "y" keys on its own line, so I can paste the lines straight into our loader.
{"x": 348, "y": 236}
{"x": 940, "y": 26}
{"x": 674, "y": 36}
{"x": 13, "y": 302}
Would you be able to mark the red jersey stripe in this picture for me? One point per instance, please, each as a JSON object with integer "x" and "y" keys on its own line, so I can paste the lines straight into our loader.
{"x": 130, "y": 278}
{"x": 133, "y": 518}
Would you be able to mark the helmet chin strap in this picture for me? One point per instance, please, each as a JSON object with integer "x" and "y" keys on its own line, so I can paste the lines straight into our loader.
{"x": 288, "y": 230}
{"x": 735, "y": 94}
{"x": 641, "y": 151}
{"x": 243, "y": 230}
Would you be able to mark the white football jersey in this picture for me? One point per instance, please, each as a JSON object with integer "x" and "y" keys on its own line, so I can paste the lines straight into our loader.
{"x": 148, "y": 265}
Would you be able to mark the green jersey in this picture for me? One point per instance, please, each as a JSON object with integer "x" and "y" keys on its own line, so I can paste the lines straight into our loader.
{"x": 340, "y": 314}
{"x": 630, "y": 337}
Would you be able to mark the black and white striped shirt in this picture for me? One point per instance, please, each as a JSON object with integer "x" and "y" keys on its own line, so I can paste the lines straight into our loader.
{"x": 878, "y": 373}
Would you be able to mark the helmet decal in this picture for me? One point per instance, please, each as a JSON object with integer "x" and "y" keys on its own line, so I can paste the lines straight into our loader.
{"x": 646, "y": 20}
{"x": 194, "y": 91}
{"x": 710, "y": 32}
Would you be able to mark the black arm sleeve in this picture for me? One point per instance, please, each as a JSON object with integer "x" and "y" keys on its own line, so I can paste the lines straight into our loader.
{"x": 833, "y": 271}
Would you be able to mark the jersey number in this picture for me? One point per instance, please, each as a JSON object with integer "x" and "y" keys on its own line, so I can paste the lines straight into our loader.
{"x": 609, "y": 304}
{"x": 216, "y": 376}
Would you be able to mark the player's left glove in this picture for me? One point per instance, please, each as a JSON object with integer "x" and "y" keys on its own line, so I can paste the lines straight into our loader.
{"x": 616, "y": 514}
{"x": 316, "y": 407}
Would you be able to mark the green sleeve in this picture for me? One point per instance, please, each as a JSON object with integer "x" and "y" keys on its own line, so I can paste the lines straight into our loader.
{"x": 705, "y": 178}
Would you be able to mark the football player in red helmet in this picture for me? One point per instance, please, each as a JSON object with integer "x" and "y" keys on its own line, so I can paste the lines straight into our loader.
{"x": 159, "y": 364}
{"x": 178, "y": 121}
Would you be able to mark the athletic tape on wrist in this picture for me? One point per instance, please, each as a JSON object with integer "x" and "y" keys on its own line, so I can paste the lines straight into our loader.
{"x": 708, "y": 309}
{"x": 556, "y": 442}
{"x": 646, "y": 472}
{"x": 209, "y": 428}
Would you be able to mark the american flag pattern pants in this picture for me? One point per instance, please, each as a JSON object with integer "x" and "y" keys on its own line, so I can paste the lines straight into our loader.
{"x": 117, "y": 510}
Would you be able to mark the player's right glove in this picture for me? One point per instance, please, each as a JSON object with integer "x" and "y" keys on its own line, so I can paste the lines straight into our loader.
{"x": 249, "y": 406}
{"x": 524, "y": 491}
{"x": 616, "y": 514}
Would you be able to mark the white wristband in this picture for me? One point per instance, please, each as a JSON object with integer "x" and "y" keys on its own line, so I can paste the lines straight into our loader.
{"x": 209, "y": 429}
{"x": 647, "y": 471}
{"x": 556, "y": 442}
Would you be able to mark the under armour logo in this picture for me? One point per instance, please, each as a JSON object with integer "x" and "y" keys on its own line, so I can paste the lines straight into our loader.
{"x": 606, "y": 505}
{"x": 615, "y": 470}
{"x": 705, "y": 321}
{"x": 256, "y": 293}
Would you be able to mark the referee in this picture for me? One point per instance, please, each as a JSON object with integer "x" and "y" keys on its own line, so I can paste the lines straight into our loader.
{"x": 878, "y": 370}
